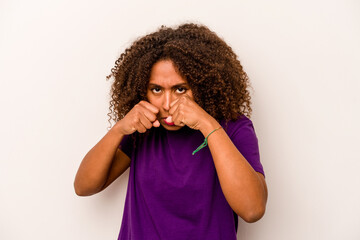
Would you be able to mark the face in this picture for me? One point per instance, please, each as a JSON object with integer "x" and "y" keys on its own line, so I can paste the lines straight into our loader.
{"x": 165, "y": 86}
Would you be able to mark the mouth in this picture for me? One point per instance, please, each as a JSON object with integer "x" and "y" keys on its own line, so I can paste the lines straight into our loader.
{"x": 168, "y": 121}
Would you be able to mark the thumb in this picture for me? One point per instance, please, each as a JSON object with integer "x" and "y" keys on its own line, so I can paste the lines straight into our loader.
{"x": 156, "y": 123}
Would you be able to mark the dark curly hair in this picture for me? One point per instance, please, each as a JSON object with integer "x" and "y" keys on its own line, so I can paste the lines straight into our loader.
{"x": 212, "y": 70}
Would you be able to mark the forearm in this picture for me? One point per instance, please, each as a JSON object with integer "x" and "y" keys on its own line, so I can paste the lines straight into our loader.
{"x": 94, "y": 168}
{"x": 104, "y": 163}
{"x": 241, "y": 185}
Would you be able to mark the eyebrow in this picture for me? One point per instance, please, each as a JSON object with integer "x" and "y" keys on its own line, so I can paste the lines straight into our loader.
{"x": 152, "y": 85}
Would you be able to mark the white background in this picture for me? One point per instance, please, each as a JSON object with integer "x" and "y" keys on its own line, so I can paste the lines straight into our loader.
{"x": 302, "y": 57}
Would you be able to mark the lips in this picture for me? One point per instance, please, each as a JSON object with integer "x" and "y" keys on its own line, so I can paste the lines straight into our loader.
{"x": 169, "y": 121}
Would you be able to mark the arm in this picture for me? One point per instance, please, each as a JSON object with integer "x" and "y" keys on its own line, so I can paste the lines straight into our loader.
{"x": 244, "y": 189}
{"x": 101, "y": 165}
{"x": 105, "y": 162}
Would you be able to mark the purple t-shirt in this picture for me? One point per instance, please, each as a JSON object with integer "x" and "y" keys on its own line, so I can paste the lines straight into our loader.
{"x": 173, "y": 194}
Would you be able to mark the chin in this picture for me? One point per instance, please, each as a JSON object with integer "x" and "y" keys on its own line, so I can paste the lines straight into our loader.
{"x": 171, "y": 128}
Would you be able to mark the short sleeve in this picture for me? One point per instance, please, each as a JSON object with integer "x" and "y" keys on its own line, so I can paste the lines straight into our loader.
{"x": 242, "y": 134}
{"x": 127, "y": 145}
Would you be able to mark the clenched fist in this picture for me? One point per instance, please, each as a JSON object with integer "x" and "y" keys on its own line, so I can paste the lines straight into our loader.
{"x": 141, "y": 117}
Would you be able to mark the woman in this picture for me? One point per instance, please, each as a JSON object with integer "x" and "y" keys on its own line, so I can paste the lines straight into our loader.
{"x": 173, "y": 90}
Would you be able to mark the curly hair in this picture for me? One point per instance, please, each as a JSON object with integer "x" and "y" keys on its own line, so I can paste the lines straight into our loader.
{"x": 211, "y": 68}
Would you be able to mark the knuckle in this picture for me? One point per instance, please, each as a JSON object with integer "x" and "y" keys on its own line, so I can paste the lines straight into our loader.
{"x": 137, "y": 115}
{"x": 136, "y": 107}
{"x": 136, "y": 120}
{"x": 152, "y": 117}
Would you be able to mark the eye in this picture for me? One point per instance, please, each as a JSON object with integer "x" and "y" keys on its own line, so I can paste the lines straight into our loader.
{"x": 156, "y": 90}
{"x": 181, "y": 90}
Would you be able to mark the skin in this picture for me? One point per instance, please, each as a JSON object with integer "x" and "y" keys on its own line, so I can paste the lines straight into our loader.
{"x": 168, "y": 94}
{"x": 165, "y": 88}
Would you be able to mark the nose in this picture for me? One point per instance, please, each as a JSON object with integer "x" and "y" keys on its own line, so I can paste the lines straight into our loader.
{"x": 167, "y": 100}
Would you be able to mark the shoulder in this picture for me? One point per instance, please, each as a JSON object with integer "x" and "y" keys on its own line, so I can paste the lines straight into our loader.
{"x": 128, "y": 143}
{"x": 241, "y": 126}
{"x": 242, "y": 134}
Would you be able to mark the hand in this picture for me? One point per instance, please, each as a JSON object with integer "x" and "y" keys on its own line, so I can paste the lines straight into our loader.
{"x": 185, "y": 111}
{"x": 140, "y": 118}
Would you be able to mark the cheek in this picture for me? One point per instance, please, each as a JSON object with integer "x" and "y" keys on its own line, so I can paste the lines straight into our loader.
{"x": 153, "y": 100}
{"x": 190, "y": 94}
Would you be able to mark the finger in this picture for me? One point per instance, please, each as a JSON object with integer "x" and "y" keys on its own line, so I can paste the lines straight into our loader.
{"x": 178, "y": 118}
{"x": 139, "y": 126}
{"x": 156, "y": 123}
{"x": 174, "y": 102}
{"x": 149, "y": 115}
{"x": 145, "y": 121}
{"x": 174, "y": 107}
{"x": 175, "y": 112}
{"x": 148, "y": 110}
{"x": 149, "y": 106}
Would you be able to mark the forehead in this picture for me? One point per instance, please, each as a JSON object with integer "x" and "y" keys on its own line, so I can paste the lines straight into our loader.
{"x": 164, "y": 73}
